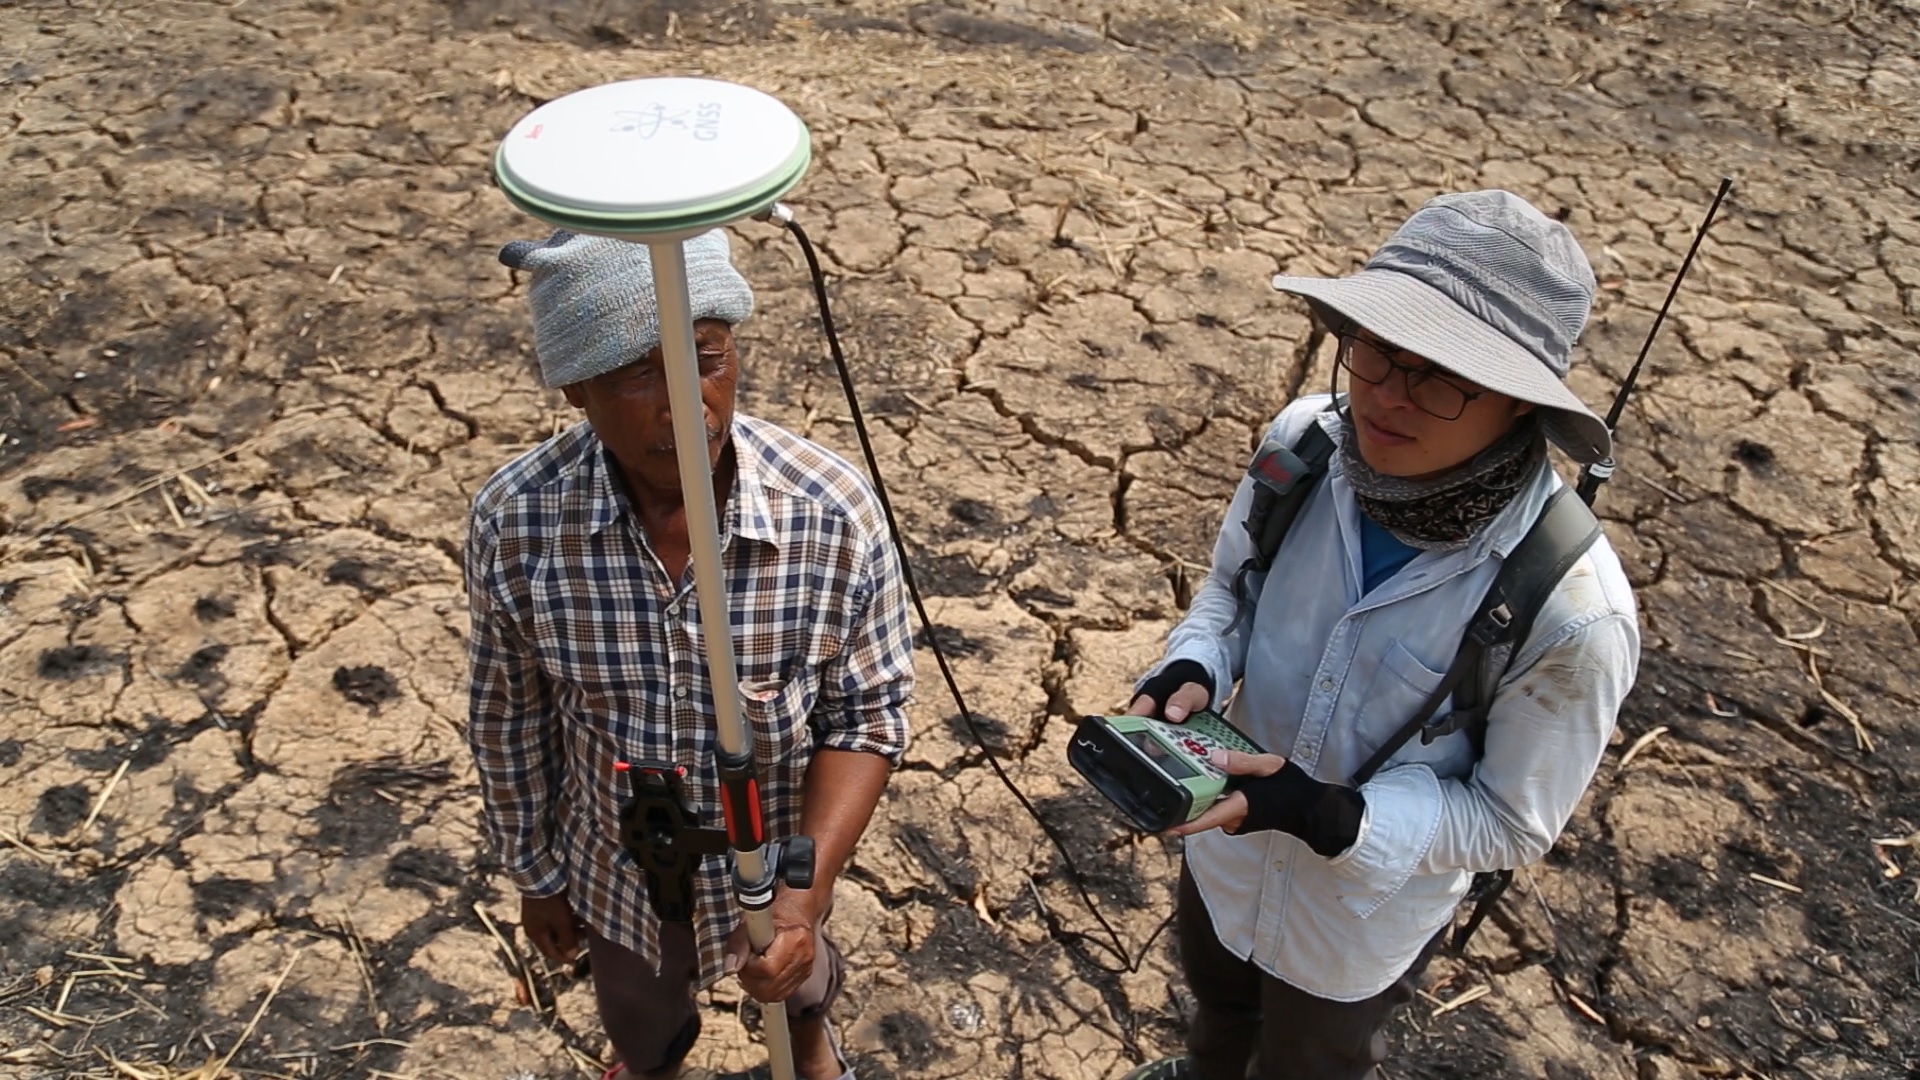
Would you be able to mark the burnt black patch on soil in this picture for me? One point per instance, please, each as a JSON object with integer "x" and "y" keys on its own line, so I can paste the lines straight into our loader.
{"x": 1457, "y": 1048}
{"x": 954, "y": 642}
{"x": 638, "y": 22}
{"x": 365, "y": 812}
{"x": 202, "y": 669}
{"x": 270, "y": 551}
{"x": 224, "y": 897}
{"x": 938, "y": 20}
{"x": 972, "y": 512}
{"x": 123, "y": 371}
{"x": 69, "y": 662}
{"x": 1681, "y": 883}
{"x": 993, "y": 731}
{"x": 211, "y": 104}
{"x": 213, "y": 608}
{"x": 354, "y": 572}
{"x": 953, "y": 867}
{"x": 1044, "y": 596}
{"x": 960, "y": 946}
{"x": 61, "y": 808}
{"x": 36, "y": 488}
{"x": 1753, "y": 455}
{"x": 351, "y": 464}
{"x": 31, "y": 894}
{"x": 9, "y": 753}
{"x": 949, "y": 575}
{"x": 424, "y": 870}
{"x": 143, "y": 751}
{"x": 190, "y": 806}
{"x": 369, "y": 685}
{"x": 357, "y": 823}
{"x": 912, "y": 1041}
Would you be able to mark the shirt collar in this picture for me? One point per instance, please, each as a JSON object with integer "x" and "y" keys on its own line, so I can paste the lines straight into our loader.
{"x": 747, "y": 509}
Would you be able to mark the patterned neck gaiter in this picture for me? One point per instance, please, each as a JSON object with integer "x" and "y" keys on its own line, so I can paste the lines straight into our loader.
{"x": 1444, "y": 512}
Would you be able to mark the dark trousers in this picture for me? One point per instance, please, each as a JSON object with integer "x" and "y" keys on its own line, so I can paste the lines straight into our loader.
{"x": 651, "y": 1016}
{"x": 1252, "y": 1026}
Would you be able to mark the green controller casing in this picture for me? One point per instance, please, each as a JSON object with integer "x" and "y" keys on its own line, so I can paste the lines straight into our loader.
{"x": 1156, "y": 773}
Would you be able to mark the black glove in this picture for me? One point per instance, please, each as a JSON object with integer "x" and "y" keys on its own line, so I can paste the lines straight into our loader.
{"x": 1326, "y": 816}
{"x": 1173, "y": 677}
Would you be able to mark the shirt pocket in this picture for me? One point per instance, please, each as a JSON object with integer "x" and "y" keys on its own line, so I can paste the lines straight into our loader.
{"x": 777, "y": 711}
{"x": 1399, "y": 687}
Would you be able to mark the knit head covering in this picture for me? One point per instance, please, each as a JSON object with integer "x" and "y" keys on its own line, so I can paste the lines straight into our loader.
{"x": 593, "y": 304}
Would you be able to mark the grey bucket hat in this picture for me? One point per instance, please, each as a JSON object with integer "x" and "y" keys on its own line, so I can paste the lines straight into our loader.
{"x": 1486, "y": 286}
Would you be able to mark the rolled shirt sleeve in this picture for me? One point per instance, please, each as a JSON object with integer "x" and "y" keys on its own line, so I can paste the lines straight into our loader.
{"x": 865, "y": 690}
{"x": 1546, "y": 733}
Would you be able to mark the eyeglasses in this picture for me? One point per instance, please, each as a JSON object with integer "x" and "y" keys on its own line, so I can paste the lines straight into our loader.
{"x": 1430, "y": 390}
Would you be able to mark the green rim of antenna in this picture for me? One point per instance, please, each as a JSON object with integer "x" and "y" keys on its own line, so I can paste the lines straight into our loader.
{"x": 696, "y": 218}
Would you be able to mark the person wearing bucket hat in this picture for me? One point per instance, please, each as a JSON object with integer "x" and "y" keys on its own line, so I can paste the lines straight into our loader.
{"x": 585, "y": 651}
{"x": 1312, "y": 897}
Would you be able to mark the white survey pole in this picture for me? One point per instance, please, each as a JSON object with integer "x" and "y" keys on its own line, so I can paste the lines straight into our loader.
{"x": 710, "y": 588}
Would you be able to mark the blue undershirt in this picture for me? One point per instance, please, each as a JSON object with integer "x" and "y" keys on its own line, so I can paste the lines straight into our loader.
{"x": 1381, "y": 554}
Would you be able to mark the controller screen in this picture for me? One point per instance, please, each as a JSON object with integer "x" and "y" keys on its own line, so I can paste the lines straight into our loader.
{"x": 1171, "y": 764}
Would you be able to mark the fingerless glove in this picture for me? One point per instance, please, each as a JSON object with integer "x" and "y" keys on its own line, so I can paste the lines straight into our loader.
{"x": 1173, "y": 677}
{"x": 1326, "y": 816}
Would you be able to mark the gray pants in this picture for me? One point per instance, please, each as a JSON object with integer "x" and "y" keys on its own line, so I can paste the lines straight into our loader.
{"x": 1252, "y": 1026}
{"x": 652, "y": 1018}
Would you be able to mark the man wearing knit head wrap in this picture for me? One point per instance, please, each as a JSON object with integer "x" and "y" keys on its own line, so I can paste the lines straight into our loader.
{"x": 586, "y": 651}
{"x": 1309, "y": 907}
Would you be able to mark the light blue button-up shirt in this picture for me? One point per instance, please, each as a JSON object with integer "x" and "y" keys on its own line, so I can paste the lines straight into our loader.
{"x": 1328, "y": 673}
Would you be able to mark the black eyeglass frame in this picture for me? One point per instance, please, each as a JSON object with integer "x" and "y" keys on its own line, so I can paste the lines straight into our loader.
{"x": 1349, "y": 335}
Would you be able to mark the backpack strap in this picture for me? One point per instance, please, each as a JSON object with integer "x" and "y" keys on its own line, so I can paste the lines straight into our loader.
{"x": 1283, "y": 477}
{"x": 1562, "y": 533}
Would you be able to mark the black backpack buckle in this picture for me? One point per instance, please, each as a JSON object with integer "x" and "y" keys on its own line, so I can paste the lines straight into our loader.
{"x": 1446, "y": 725}
{"x": 1492, "y": 627}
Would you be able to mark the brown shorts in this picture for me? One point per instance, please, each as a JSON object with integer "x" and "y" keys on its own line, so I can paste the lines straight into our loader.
{"x": 652, "y": 1018}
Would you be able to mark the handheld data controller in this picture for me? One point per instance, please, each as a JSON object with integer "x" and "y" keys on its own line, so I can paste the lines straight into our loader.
{"x": 1157, "y": 773}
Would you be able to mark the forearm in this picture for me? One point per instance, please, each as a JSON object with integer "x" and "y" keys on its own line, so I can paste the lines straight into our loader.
{"x": 837, "y": 801}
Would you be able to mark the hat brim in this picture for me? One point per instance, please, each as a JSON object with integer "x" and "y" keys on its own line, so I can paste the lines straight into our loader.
{"x": 1410, "y": 314}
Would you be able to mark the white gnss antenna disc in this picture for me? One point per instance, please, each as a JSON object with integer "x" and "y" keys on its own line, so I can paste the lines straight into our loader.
{"x": 654, "y": 158}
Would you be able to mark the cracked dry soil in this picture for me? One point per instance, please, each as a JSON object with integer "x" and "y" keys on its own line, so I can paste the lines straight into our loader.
{"x": 255, "y": 354}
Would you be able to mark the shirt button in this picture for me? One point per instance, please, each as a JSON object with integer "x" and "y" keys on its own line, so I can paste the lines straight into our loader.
{"x": 673, "y": 609}
{"x": 680, "y": 692}
{"x": 1279, "y": 865}
{"x": 1326, "y": 684}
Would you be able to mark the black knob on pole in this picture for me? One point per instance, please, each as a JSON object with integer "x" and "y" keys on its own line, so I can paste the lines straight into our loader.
{"x": 796, "y": 862}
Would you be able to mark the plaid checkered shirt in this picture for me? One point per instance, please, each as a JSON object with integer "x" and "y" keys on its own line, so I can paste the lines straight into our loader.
{"x": 585, "y": 653}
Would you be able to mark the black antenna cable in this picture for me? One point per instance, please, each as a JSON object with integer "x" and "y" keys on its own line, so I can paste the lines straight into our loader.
{"x": 780, "y": 215}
